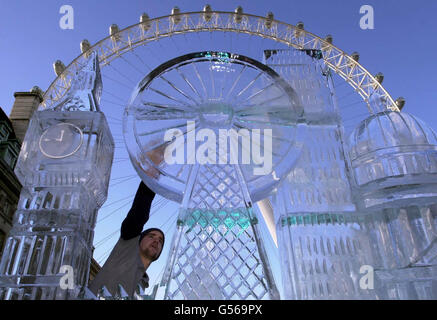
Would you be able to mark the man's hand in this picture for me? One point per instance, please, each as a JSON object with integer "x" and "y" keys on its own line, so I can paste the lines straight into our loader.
{"x": 156, "y": 156}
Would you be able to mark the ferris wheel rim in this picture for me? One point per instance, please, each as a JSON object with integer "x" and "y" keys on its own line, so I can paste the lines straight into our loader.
{"x": 317, "y": 42}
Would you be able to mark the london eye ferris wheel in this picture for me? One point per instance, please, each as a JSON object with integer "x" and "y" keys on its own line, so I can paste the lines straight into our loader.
{"x": 214, "y": 70}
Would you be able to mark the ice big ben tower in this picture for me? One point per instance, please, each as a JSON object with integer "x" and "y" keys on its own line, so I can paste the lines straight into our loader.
{"x": 64, "y": 167}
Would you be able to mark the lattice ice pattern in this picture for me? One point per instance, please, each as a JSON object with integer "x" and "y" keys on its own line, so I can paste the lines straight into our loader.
{"x": 218, "y": 258}
{"x": 216, "y": 187}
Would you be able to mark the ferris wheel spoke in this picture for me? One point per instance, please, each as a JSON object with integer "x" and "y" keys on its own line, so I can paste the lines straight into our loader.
{"x": 168, "y": 114}
{"x": 168, "y": 96}
{"x": 253, "y": 142}
{"x": 118, "y": 161}
{"x": 113, "y": 95}
{"x": 212, "y": 79}
{"x": 121, "y": 74}
{"x": 162, "y": 129}
{"x": 116, "y": 81}
{"x": 258, "y": 93}
{"x": 248, "y": 86}
{"x": 346, "y": 95}
{"x": 362, "y": 115}
{"x": 200, "y": 79}
{"x": 279, "y": 117}
{"x": 235, "y": 82}
{"x": 177, "y": 89}
{"x": 350, "y": 104}
{"x": 132, "y": 65}
{"x": 189, "y": 83}
{"x": 141, "y": 60}
{"x": 175, "y": 107}
{"x": 262, "y": 104}
{"x": 270, "y": 123}
{"x": 112, "y": 102}
{"x": 249, "y": 125}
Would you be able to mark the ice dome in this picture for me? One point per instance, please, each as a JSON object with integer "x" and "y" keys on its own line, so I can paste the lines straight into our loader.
{"x": 393, "y": 157}
{"x": 389, "y": 129}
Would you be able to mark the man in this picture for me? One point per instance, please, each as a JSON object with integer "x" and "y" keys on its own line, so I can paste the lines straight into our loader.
{"x": 134, "y": 251}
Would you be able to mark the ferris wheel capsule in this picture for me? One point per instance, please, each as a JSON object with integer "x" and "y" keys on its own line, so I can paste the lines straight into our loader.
{"x": 145, "y": 21}
{"x": 59, "y": 67}
{"x": 269, "y": 20}
{"x": 355, "y": 56}
{"x": 113, "y": 32}
{"x": 207, "y": 15}
{"x": 329, "y": 39}
{"x": 400, "y": 103}
{"x": 84, "y": 45}
{"x": 299, "y": 29}
{"x": 238, "y": 14}
{"x": 175, "y": 12}
{"x": 379, "y": 77}
{"x": 36, "y": 89}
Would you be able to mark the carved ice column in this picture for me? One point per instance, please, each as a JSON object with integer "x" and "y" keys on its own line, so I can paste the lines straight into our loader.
{"x": 323, "y": 242}
{"x": 217, "y": 252}
{"x": 230, "y": 99}
{"x": 64, "y": 166}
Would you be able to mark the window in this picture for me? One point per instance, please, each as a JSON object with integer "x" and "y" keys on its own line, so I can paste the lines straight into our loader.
{"x": 11, "y": 212}
{"x": 2, "y": 198}
{"x": 6, "y": 208}
{"x": 2, "y": 241}
{"x": 3, "y": 132}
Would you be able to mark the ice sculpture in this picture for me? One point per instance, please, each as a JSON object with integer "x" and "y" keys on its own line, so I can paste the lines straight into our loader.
{"x": 393, "y": 158}
{"x": 322, "y": 244}
{"x": 86, "y": 88}
{"x": 394, "y": 163}
{"x": 224, "y": 101}
{"x": 355, "y": 209}
{"x": 64, "y": 167}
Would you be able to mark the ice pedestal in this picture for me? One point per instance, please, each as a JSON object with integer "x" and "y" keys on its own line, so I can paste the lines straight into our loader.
{"x": 322, "y": 244}
{"x": 329, "y": 255}
{"x": 216, "y": 252}
{"x": 323, "y": 256}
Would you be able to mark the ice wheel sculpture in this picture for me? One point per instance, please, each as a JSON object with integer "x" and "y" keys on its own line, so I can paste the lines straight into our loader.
{"x": 320, "y": 255}
{"x": 214, "y": 91}
{"x": 246, "y": 119}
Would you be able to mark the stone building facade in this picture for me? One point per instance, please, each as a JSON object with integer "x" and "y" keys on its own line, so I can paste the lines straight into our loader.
{"x": 9, "y": 185}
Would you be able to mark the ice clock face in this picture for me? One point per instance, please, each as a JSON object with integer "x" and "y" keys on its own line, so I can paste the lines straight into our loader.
{"x": 61, "y": 140}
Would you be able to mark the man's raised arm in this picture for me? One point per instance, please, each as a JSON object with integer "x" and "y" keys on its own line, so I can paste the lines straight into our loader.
{"x": 138, "y": 215}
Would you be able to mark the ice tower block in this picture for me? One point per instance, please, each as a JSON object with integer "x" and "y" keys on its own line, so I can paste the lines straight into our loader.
{"x": 393, "y": 158}
{"x": 323, "y": 242}
{"x": 64, "y": 167}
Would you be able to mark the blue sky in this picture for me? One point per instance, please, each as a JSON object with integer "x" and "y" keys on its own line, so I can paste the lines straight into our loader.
{"x": 402, "y": 46}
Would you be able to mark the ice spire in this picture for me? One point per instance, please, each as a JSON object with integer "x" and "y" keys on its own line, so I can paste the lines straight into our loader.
{"x": 86, "y": 88}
